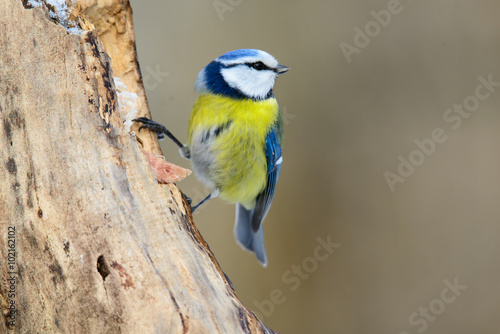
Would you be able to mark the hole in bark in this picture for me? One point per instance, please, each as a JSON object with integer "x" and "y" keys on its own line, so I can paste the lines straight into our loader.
{"x": 102, "y": 267}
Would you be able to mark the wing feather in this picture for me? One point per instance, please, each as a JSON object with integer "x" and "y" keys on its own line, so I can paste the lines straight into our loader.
{"x": 265, "y": 198}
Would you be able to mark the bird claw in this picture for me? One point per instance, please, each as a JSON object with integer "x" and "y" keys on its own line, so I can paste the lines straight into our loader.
{"x": 187, "y": 199}
{"x": 151, "y": 125}
{"x": 158, "y": 128}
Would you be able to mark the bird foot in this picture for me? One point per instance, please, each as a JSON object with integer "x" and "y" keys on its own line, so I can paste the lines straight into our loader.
{"x": 187, "y": 199}
{"x": 149, "y": 124}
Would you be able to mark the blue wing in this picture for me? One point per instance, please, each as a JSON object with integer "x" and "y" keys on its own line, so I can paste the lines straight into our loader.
{"x": 248, "y": 228}
{"x": 264, "y": 199}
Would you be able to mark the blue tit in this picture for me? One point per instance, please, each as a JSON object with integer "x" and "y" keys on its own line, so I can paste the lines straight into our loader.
{"x": 235, "y": 137}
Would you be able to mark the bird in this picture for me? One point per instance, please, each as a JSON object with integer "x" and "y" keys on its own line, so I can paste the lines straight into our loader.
{"x": 235, "y": 138}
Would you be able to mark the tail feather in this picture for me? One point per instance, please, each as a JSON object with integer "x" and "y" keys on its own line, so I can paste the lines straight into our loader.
{"x": 246, "y": 237}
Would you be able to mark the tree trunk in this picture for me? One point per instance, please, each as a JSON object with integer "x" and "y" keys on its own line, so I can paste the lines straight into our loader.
{"x": 90, "y": 243}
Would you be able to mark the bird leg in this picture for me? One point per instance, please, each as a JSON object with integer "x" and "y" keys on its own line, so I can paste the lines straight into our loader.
{"x": 213, "y": 194}
{"x": 160, "y": 129}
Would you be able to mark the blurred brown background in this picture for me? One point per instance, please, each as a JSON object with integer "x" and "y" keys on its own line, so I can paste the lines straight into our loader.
{"x": 348, "y": 123}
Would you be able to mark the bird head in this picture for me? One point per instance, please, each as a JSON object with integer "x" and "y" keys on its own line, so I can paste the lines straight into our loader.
{"x": 244, "y": 73}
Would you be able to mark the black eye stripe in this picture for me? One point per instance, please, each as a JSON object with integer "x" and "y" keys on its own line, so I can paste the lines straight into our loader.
{"x": 259, "y": 66}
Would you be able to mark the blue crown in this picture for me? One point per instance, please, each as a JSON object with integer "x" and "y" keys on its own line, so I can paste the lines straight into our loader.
{"x": 232, "y": 55}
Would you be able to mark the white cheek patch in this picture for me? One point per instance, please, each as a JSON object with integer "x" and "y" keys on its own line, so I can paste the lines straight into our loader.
{"x": 250, "y": 82}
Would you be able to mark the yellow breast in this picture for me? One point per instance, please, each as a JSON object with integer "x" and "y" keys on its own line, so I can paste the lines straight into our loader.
{"x": 233, "y": 160}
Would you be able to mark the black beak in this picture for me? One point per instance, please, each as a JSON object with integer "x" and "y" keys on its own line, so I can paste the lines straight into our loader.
{"x": 280, "y": 69}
